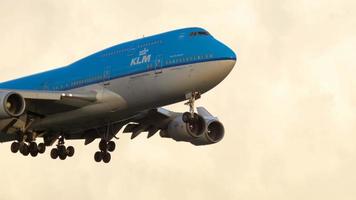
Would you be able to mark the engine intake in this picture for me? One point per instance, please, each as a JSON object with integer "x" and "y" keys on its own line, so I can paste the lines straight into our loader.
{"x": 214, "y": 133}
{"x": 11, "y": 105}
{"x": 181, "y": 131}
{"x": 205, "y": 130}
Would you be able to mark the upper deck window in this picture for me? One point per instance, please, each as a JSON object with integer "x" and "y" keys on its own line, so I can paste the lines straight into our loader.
{"x": 199, "y": 33}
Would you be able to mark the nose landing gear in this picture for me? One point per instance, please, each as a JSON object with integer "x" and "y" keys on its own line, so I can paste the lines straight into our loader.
{"x": 188, "y": 117}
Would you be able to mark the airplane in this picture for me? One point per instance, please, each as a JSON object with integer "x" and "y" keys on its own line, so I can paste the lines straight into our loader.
{"x": 124, "y": 86}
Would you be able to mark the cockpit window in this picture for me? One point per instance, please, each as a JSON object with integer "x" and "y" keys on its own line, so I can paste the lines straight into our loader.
{"x": 199, "y": 33}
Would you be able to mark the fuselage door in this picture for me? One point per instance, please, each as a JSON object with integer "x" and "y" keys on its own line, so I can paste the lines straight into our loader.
{"x": 106, "y": 76}
{"x": 158, "y": 64}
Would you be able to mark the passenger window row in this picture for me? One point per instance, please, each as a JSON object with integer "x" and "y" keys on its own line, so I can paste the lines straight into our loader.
{"x": 117, "y": 52}
{"x": 199, "y": 33}
{"x": 150, "y": 43}
{"x": 78, "y": 83}
{"x": 121, "y": 51}
{"x": 188, "y": 59}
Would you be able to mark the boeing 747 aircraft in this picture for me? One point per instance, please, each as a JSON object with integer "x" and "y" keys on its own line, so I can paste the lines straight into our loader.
{"x": 122, "y": 86}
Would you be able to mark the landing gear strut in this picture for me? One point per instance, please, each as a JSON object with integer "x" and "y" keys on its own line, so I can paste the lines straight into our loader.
{"x": 61, "y": 151}
{"x": 106, "y": 146}
{"x": 191, "y": 115}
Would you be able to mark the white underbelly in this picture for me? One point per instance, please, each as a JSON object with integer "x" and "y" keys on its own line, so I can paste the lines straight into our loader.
{"x": 143, "y": 91}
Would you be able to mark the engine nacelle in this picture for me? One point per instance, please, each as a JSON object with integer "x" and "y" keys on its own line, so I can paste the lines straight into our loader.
{"x": 214, "y": 133}
{"x": 181, "y": 131}
{"x": 11, "y": 105}
{"x": 207, "y": 129}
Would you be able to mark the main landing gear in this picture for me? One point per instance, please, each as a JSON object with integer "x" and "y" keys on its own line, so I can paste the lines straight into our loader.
{"x": 61, "y": 151}
{"x": 105, "y": 147}
{"x": 190, "y": 116}
{"x": 26, "y": 145}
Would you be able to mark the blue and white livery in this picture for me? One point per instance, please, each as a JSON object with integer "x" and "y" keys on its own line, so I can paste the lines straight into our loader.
{"x": 122, "y": 86}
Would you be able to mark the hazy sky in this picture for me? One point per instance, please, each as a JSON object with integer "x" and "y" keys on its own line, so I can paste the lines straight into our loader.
{"x": 288, "y": 106}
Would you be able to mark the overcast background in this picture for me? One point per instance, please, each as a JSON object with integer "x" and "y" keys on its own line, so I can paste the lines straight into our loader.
{"x": 288, "y": 105}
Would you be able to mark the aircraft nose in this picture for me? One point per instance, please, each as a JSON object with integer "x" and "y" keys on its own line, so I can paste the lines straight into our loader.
{"x": 230, "y": 60}
{"x": 231, "y": 57}
{"x": 231, "y": 54}
{"x": 228, "y": 54}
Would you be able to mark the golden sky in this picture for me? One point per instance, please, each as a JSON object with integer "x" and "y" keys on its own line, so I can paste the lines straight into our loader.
{"x": 288, "y": 107}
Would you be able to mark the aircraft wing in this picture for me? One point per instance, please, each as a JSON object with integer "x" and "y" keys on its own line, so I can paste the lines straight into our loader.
{"x": 48, "y": 102}
{"x": 150, "y": 121}
{"x": 202, "y": 130}
{"x": 39, "y": 104}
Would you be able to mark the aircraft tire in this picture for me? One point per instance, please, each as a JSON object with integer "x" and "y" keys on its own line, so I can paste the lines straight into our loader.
{"x": 98, "y": 156}
{"x": 62, "y": 152}
{"x": 34, "y": 152}
{"x": 15, "y": 147}
{"x": 33, "y": 146}
{"x": 103, "y": 145}
{"x": 70, "y": 151}
{"x": 24, "y": 149}
{"x": 62, "y": 156}
{"x": 111, "y": 146}
{"x": 54, "y": 153}
{"x": 41, "y": 148}
{"x": 106, "y": 157}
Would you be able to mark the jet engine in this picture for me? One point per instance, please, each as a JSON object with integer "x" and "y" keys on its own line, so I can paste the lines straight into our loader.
{"x": 181, "y": 131}
{"x": 205, "y": 129}
{"x": 214, "y": 133}
{"x": 11, "y": 105}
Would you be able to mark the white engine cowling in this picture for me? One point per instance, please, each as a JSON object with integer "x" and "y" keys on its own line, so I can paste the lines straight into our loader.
{"x": 206, "y": 130}
{"x": 181, "y": 131}
{"x": 214, "y": 133}
{"x": 12, "y": 104}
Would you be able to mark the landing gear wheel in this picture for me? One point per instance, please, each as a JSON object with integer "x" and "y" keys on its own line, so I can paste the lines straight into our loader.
{"x": 62, "y": 156}
{"x": 62, "y": 152}
{"x": 54, "y": 153}
{"x": 70, "y": 151}
{"x": 106, "y": 157}
{"x": 98, "y": 156}
{"x": 41, "y": 148}
{"x": 34, "y": 152}
{"x": 62, "y": 149}
{"x": 103, "y": 145}
{"x": 33, "y": 147}
{"x": 15, "y": 147}
{"x": 111, "y": 146}
{"x": 24, "y": 149}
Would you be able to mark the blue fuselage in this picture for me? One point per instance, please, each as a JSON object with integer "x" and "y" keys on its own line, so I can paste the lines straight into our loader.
{"x": 149, "y": 54}
{"x": 129, "y": 78}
